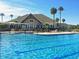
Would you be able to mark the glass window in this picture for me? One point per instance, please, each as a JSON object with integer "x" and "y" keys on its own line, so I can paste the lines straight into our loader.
{"x": 31, "y": 20}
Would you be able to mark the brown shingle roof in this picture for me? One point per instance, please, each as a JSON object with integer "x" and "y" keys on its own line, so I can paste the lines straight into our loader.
{"x": 42, "y": 18}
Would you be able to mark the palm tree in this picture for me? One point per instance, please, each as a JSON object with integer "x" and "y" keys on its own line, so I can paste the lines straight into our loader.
{"x": 63, "y": 28}
{"x": 11, "y": 16}
{"x": 57, "y": 20}
{"x": 63, "y": 20}
{"x": 60, "y": 11}
{"x": 2, "y": 14}
{"x": 53, "y": 12}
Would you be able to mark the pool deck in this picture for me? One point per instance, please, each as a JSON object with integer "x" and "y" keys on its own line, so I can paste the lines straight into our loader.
{"x": 55, "y": 33}
{"x": 16, "y": 32}
{"x": 39, "y": 33}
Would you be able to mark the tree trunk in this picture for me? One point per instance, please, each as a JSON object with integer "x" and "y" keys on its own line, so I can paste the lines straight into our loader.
{"x": 60, "y": 17}
{"x": 53, "y": 21}
{"x": 1, "y": 18}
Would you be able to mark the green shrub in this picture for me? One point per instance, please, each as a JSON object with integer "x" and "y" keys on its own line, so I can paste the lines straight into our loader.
{"x": 3, "y": 26}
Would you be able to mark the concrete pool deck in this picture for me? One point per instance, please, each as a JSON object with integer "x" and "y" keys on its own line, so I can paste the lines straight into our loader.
{"x": 38, "y": 33}
{"x": 55, "y": 33}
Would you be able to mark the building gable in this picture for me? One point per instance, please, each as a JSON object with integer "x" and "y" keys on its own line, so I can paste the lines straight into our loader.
{"x": 30, "y": 19}
{"x": 40, "y": 18}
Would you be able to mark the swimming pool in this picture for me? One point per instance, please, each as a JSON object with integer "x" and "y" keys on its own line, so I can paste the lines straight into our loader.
{"x": 30, "y": 46}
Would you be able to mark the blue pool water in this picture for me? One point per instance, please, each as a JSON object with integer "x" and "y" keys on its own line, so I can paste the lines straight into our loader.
{"x": 30, "y": 46}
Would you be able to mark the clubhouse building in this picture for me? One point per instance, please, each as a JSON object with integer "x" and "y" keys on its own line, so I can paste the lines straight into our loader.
{"x": 31, "y": 22}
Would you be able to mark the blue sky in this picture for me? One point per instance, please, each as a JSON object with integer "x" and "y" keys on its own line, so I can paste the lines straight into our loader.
{"x": 22, "y": 7}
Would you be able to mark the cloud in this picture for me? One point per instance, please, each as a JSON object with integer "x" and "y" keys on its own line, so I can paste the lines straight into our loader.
{"x": 7, "y": 10}
{"x": 15, "y": 10}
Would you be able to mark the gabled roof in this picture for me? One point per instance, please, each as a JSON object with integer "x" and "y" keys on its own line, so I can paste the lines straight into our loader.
{"x": 40, "y": 17}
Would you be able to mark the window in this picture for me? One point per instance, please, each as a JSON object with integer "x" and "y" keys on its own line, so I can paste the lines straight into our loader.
{"x": 31, "y": 20}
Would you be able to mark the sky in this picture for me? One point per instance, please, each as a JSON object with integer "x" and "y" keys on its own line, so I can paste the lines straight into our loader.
{"x": 22, "y": 7}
